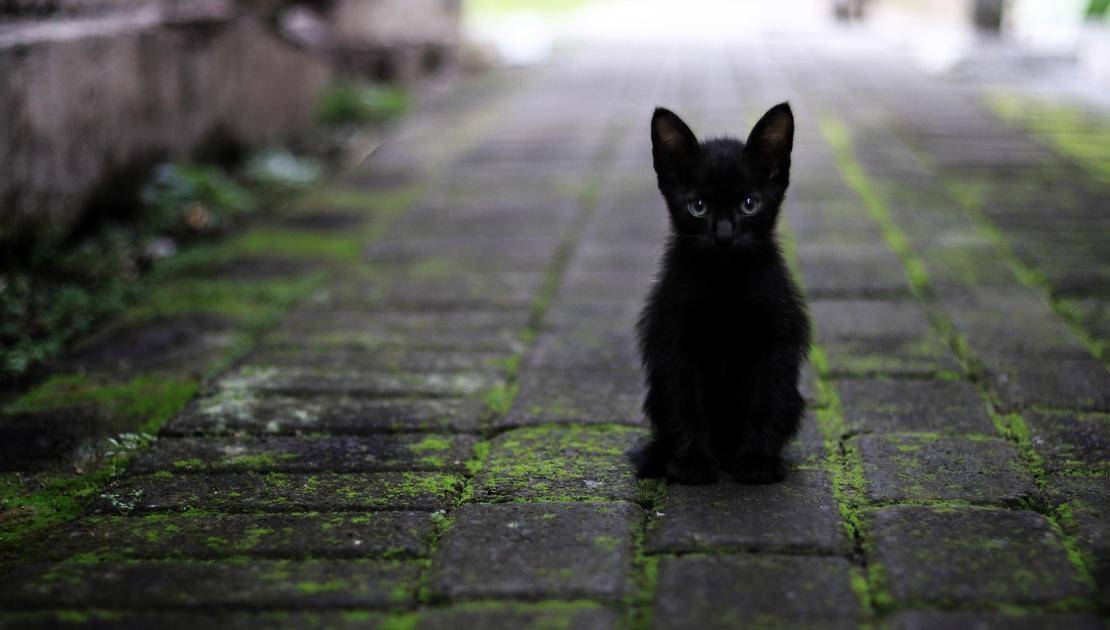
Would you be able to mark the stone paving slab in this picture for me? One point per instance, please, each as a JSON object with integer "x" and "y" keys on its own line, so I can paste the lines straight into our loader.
{"x": 926, "y": 620}
{"x": 537, "y": 550}
{"x": 280, "y": 492}
{"x": 586, "y": 348}
{"x": 589, "y": 397}
{"x": 234, "y": 412}
{"x": 932, "y": 467}
{"x": 204, "y": 536}
{"x": 882, "y": 405}
{"x": 1081, "y": 384}
{"x": 477, "y": 321}
{"x": 880, "y": 337}
{"x": 545, "y": 615}
{"x": 298, "y": 381}
{"x": 1030, "y": 329}
{"x": 267, "y": 584}
{"x": 402, "y": 361}
{"x": 764, "y": 590}
{"x": 344, "y": 453}
{"x": 560, "y": 463}
{"x": 861, "y": 272}
{"x": 964, "y": 556}
{"x": 1070, "y": 442}
{"x": 797, "y": 515}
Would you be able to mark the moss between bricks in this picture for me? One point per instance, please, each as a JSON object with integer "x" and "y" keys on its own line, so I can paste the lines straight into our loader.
{"x": 147, "y": 401}
{"x": 1011, "y": 427}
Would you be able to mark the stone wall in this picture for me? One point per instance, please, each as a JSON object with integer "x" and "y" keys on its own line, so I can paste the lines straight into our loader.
{"x": 90, "y": 89}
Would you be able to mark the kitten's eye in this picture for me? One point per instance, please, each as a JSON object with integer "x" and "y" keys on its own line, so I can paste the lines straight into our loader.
{"x": 750, "y": 205}
{"x": 697, "y": 207}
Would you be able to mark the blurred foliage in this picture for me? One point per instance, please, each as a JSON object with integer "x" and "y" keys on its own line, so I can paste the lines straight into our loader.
{"x": 357, "y": 104}
{"x": 1098, "y": 8}
{"x": 60, "y": 296}
{"x": 187, "y": 199}
{"x": 1082, "y": 135}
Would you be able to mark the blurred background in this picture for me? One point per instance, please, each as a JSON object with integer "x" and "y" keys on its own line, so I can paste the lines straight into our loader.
{"x": 132, "y": 128}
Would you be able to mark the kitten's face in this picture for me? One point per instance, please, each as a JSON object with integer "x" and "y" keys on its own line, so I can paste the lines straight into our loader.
{"x": 723, "y": 193}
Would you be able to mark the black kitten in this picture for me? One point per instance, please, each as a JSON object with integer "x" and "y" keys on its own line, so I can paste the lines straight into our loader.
{"x": 725, "y": 329}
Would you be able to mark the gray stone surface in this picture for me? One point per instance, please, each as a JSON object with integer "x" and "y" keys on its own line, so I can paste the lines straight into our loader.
{"x": 579, "y": 396}
{"x": 245, "y": 412}
{"x": 1070, "y": 441}
{"x": 340, "y": 453}
{"x": 857, "y": 272}
{"x": 964, "y": 556}
{"x": 931, "y": 467}
{"x": 1081, "y": 384}
{"x": 928, "y": 620}
{"x": 185, "y": 536}
{"x": 879, "y": 337}
{"x": 797, "y": 515}
{"x": 882, "y": 405}
{"x": 263, "y": 583}
{"x": 280, "y": 492}
{"x": 537, "y": 550}
{"x": 765, "y": 590}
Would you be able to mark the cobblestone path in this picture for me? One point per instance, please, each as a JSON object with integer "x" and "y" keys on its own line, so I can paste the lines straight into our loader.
{"x": 435, "y": 436}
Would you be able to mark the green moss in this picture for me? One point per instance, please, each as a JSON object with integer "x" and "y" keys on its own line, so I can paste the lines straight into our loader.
{"x": 475, "y": 464}
{"x": 352, "y": 103}
{"x": 499, "y": 398}
{"x": 309, "y": 587}
{"x": 150, "y": 399}
{"x": 1025, "y": 274}
{"x": 255, "y": 303}
{"x": 839, "y": 139}
{"x": 553, "y": 462}
{"x": 435, "y": 443}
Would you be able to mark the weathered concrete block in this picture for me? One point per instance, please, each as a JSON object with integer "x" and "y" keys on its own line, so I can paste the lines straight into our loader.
{"x": 764, "y": 590}
{"x": 537, "y": 550}
{"x": 882, "y": 405}
{"x": 278, "y": 536}
{"x": 930, "y": 467}
{"x": 280, "y": 492}
{"x": 798, "y": 514}
{"x": 966, "y": 556}
{"x": 340, "y": 453}
{"x": 260, "y": 584}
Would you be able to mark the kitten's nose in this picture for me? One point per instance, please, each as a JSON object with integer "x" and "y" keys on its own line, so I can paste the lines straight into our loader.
{"x": 724, "y": 231}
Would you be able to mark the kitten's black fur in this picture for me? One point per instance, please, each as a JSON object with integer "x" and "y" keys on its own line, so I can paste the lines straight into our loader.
{"x": 724, "y": 331}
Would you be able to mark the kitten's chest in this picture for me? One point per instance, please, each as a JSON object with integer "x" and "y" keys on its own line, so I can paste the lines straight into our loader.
{"x": 726, "y": 331}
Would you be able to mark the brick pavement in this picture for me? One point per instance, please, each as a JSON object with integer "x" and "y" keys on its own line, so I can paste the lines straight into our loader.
{"x": 436, "y": 435}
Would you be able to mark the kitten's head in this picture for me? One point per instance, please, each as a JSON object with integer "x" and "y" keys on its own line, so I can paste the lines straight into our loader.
{"x": 723, "y": 193}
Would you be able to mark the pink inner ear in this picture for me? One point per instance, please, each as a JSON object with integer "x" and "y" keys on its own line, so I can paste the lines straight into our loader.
{"x": 774, "y": 133}
{"x": 670, "y": 136}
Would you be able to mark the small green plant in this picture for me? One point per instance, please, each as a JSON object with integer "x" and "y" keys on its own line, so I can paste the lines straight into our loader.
{"x": 60, "y": 295}
{"x": 188, "y": 199}
{"x": 354, "y": 104}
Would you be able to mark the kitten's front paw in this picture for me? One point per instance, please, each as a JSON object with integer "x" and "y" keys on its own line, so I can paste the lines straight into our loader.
{"x": 691, "y": 471}
{"x": 650, "y": 461}
{"x": 759, "y": 469}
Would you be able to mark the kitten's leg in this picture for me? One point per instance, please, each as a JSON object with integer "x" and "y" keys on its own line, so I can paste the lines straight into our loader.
{"x": 773, "y": 422}
{"x": 677, "y": 450}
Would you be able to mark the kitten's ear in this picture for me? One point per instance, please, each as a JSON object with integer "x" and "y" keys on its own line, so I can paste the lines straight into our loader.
{"x": 772, "y": 138}
{"x": 673, "y": 145}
